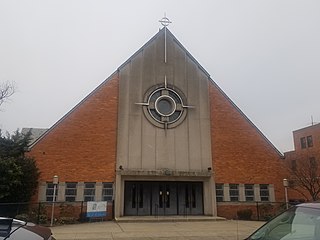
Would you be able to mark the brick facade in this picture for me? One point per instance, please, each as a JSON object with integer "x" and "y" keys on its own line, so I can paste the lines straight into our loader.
{"x": 241, "y": 154}
{"x": 303, "y": 152}
{"x": 82, "y": 145}
{"x": 107, "y": 126}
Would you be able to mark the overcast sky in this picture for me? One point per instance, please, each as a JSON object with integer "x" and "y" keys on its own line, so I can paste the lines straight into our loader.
{"x": 265, "y": 55}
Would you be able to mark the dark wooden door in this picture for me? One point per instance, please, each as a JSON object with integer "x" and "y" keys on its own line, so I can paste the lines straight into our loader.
{"x": 164, "y": 198}
{"x": 190, "y": 195}
{"x": 137, "y": 198}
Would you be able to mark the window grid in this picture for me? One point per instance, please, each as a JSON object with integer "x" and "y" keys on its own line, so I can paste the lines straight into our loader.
{"x": 89, "y": 191}
{"x": 49, "y": 192}
{"x": 309, "y": 141}
{"x": 249, "y": 192}
{"x": 234, "y": 192}
{"x": 107, "y": 192}
{"x": 71, "y": 191}
{"x": 219, "y": 192}
{"x": 303, "y": 142}
{"x": 264, "y": 192}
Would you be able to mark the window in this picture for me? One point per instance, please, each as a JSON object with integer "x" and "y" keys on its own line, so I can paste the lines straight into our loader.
{"x": 296, "y": 223}
{"x": 303, "y": 142}
{"x": 309, "y": 141}
{"x": 294, "y": 165}
{"x": 107, "y": 192}
{"x": 234, "y": 192}
{"x": 219, "y": 192}
{"x": 71, "y": 191}
{"x": 313, "y": 168}
{"x": 89, "y": 192}
{"x": 249, "y": 192}
{"x": 313, "y": 163}
{"x": 49, "y": 192}
{"x": 264, "y": 192}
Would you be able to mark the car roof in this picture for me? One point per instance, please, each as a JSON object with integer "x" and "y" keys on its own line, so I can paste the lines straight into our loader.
{"x": 310, "y": 205}
{"x": 15, "y": 221}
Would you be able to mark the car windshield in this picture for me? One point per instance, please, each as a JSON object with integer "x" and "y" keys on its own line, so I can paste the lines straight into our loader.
{"x": 299, "y": 222}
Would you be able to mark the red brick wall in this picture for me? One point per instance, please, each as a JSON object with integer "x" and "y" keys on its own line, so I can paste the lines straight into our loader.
{"x": 82, "y": 145}
{"x": 302, "y": 155}
{"x": 260, "y": 211}
{"x": 240, "y": 153}
{"x": 313, "y": 131}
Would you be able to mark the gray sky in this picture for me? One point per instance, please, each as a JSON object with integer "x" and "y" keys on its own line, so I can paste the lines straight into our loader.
{"x": 265, "y": 55}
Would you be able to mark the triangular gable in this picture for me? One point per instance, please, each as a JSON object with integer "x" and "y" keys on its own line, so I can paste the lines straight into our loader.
{"x": 246, "y": 118}
{"x": 161, "y": 31}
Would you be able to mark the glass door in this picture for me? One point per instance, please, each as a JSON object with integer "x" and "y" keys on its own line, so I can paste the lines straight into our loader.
{"x": 137, "y": 199}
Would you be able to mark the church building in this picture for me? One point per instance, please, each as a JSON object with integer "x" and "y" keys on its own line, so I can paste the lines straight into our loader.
{"x": 159, "y": 137}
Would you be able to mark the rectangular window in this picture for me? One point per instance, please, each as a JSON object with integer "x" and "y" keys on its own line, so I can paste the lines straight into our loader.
{"x": 107, "y": 192}
{"x": 89, "y": 191}
{"x": 313, "y": 163}
{"x": 49, "y": 192}
{"x": 294, "y": 165}
{"x": 234, "y": 192}
{"x": 303, "y": 142}
{"x": 264, "y": 192}
{"x": 71, "y": 191}
{"x": 313, "y": 168}
{"x": 219, "y": 192}
{"x": 309, "y": 141}
{"x": 249, "y": 192}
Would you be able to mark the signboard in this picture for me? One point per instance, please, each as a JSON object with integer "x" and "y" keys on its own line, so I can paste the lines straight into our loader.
{"x": 96, "y": 209}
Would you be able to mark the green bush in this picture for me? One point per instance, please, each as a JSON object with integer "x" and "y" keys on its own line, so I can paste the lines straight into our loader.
{"x": 67, "y": 220}
{"x": 244, "y": 214}
{"x": 23, "y": 217}
{"x": 36, "y": 215}
{"x": 67, "y": 214}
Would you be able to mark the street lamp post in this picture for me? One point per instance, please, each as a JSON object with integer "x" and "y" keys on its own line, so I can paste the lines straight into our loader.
{"x": 55, "y": 183}
{"x": 286, "y": 185}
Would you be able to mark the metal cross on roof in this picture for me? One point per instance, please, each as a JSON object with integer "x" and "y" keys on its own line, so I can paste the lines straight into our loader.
{"x": 165, "y": 21}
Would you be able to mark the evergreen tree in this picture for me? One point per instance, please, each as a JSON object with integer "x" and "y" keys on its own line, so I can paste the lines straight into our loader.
{"x": 18, "y": 173}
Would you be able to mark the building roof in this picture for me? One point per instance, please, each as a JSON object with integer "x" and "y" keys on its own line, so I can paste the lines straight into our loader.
{"x": 161, "y": 31}
{"x": 36, "y": 133}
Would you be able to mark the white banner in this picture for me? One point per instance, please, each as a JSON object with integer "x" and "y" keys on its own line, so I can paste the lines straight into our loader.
{"x": 96, "y": 209}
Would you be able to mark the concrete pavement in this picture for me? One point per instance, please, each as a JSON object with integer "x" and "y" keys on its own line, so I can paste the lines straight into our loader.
{"x": 173, "y": 230}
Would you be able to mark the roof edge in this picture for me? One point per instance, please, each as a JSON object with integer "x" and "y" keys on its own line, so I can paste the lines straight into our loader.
{"x": 175, "y": 40}
{"x": 72, "y": 110}
{"x": 281, "y": 155}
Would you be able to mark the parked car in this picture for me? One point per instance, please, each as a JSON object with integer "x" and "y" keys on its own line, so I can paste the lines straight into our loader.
{"x": 13, "y": 229}
{"x": 301, "y": 222}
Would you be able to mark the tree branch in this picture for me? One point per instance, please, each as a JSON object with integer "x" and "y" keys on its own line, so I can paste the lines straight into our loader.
{"x": 7, "y": 89}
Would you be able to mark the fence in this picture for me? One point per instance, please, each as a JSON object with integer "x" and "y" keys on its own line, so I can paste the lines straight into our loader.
{"x": 261, "y": 211}
{"x": 74, "y": 212}
{"x": 40, "y": 212}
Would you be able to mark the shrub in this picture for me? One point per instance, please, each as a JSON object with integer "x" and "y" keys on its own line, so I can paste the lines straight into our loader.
{"x": 266, "y": 211}
{"x": 66, "y": 220}
{"x": 23, "y": 217}
{"x": 244, "y": 214}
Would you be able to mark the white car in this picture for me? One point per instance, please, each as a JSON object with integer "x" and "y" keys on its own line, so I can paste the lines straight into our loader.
{"x": 13, "y": 229}
{"x": 301, "y": 222}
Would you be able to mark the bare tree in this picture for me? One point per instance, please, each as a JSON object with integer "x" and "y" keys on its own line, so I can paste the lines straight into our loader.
{"x": 6, "y": 91}
{"x": 304, "y": 177}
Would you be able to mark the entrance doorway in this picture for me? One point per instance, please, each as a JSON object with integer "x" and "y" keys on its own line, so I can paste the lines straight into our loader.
{"x": 163, "y": 198}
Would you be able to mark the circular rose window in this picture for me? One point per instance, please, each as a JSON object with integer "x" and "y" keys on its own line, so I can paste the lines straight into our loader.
{"x": 164, "y": 106}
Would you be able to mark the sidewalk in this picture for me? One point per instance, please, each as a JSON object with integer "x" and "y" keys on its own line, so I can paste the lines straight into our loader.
{"x": 203, "y": 230}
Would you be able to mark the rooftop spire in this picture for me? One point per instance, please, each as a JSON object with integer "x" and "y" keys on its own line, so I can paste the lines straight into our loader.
{"x": 165, "y": 22}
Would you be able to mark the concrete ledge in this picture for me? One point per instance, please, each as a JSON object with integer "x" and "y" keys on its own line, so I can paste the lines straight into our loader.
{"x": 168, "y": 218}
{"x": 164, "y": 172}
